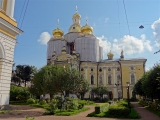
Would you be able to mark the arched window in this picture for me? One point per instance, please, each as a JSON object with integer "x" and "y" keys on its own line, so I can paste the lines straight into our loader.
{"x": 92, "y": 80}
{"x": 132, "y": 78}
{"x": 109, "y": 79}
{"x": 1, "y": 4}
{"x": 119, "y": 94}
{"x": 118, "y": 79}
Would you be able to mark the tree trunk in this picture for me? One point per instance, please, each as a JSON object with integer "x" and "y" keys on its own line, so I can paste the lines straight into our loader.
{"x": 25, "y": 83}
{"x": 51, "y": 96}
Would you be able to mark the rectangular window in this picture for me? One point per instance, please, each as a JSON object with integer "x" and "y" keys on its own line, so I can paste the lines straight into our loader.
{"x": 1, "y": 4}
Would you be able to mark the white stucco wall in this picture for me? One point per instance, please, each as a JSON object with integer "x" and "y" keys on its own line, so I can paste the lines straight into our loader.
{"x": 7, "y": 46}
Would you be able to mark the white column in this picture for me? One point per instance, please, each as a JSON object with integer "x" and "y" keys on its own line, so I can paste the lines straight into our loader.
{"x": 10, "y": 8}
{"x": 104, "y": 77}
{"x": 114, "y": 81}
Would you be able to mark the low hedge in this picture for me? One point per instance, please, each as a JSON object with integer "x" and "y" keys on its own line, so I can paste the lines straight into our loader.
{"x": 101, "y": 108}
{"x": 118, "y": 111}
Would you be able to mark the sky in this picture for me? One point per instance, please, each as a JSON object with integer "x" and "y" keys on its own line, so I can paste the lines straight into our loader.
{"x": 115, "y": 23}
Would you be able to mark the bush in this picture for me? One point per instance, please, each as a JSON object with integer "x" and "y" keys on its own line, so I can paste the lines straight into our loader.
{"x": 118, "y": 111}
{"x": 123, "y": 103}
{"x": 52, "y": 106}
{"x": 18, "y": 93}
{"x": 30, "y": 101}
{"x": 73, "y": 104}
{"x": 101, "y": 108}
{"x": 42, "y": 102}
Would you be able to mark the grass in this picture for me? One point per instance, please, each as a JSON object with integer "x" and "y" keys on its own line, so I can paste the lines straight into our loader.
{"x": 67, "y": 112}
{"x": 132, "y": 115}
{"x": 4, "y": 111}
{"x": 157, "y": 112}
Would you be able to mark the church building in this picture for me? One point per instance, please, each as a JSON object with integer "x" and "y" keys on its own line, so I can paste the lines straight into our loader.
{"x": 8, "y": 33}
{"x": 80, "y": 49}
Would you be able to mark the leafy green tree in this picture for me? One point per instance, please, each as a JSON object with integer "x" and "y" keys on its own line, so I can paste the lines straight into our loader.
{"x": 138, "y": 88}
{"x": 23, "y": 73}
{"x": 100, "y": 91}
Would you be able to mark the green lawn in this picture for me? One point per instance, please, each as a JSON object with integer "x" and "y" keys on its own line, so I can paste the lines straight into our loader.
{"x": 68, "y": 112}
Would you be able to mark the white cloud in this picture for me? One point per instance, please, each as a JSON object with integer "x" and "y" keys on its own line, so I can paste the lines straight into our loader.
{"x": 156, "y": 27}
{"x": 106, "y": 20}
{"x": 44, "y": 38}
{"x": 104, "y": 43}
{"x": 130, "y": 44}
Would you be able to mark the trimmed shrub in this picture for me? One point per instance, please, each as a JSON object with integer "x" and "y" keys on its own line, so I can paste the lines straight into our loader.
{"x": 97, "y": 109}
{"x": 30, "y": 101}
{"x": 101, "y": 108}
{"x": 118, "y": 111}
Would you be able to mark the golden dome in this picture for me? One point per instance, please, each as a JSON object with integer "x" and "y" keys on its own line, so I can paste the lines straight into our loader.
{"x": 75, "y": 28}
{"x": 110, "y": 54}
{"x": 87, "y": 29}
{"x": 76, "y": 15}
{"x": 57, "y": 33}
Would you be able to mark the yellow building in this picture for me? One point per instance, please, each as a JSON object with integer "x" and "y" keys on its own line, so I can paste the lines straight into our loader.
{"x": 8, "y": 33}
{"x": 80, "y": 49}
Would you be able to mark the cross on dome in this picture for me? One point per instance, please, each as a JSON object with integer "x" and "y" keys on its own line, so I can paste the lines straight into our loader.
{"x": 58, "y": 24}
{"x": 76, "y": 9}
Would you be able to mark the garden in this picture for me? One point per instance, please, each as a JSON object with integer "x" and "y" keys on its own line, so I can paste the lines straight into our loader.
{"x": 115, "y": 109}
{"x": 148, "y": 88}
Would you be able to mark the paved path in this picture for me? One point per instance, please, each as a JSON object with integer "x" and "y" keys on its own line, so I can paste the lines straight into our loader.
{"x": 144, "y": 113}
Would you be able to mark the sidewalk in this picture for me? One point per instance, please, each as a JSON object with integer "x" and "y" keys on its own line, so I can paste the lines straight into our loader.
{"x": 144, "y": 113}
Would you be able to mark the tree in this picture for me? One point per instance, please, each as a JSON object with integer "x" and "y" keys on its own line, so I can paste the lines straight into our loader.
{"x": 23, "y": 73}
{"x": 43, "y": 81}
{"x": 100, "y": 91}
{"x": 138, "y": 88}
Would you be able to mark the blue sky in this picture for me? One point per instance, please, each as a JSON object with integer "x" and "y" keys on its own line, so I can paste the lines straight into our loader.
{"x": 107, "y": 17}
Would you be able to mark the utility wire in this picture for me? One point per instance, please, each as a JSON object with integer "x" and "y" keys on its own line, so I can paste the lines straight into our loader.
{"x": 21, "y": 11}
{"x": 128, "y": 25}
{"x": 24, "y": 14}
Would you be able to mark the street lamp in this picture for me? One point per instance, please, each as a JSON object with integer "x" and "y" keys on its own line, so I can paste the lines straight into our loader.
{"x": 128, "y": 96}
{"x": 116, "y": 84}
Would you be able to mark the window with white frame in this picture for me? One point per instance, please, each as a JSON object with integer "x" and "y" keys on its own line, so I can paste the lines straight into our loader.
{"x": 132, "y": 78}
{"x": 1, "y": 4}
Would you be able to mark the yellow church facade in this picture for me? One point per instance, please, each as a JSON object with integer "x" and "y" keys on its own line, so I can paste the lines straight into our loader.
{"x": 80, "y": 49}
{"x": 8, "y": 33}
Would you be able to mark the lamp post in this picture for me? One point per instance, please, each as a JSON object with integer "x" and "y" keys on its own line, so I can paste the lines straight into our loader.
{"x": 116, "y": 84}
{"x": 128, "y": 96}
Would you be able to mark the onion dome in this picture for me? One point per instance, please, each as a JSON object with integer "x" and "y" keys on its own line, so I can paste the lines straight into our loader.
{"x": 75, "y": 28}
{"x": 76, "y": 15}
{"x": 57, "y": 33}
{"x": 87, "y": 29}
{"x": 110, "y": 55}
